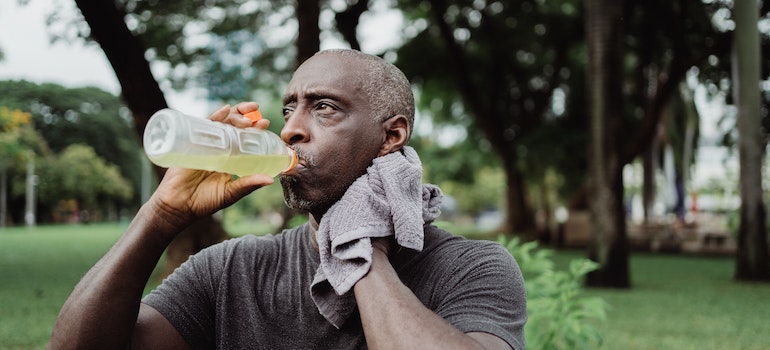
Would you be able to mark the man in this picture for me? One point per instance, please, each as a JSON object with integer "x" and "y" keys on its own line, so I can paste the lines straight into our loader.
{"x": 342, "y": 110}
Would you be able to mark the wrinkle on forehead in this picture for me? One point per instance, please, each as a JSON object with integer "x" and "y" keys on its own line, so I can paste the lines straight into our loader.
{"x": 326, "y": 73}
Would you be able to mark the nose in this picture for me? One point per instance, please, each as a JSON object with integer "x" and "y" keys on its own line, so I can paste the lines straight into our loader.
{"x": 295, "y": 130}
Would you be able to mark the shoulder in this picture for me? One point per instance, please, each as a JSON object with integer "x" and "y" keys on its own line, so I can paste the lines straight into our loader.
{"x": 454, "y": 264}
{"x": 458, "y": 258}
{"x": 476, "y": 285}
{"x": 244, "y": 251}
{"x": 248, "y": 243}
{"x": 444, "y": 244}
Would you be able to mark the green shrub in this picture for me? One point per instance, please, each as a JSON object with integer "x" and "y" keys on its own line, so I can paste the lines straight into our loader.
{"x": 560, "y": 316}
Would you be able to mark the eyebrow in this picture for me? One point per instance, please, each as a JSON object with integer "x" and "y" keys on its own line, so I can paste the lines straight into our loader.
{"x": 289, "y": 98}
{"x": 314, "y": 95}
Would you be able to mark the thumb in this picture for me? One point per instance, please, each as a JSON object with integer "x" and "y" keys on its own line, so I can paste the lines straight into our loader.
{"x": 247, "y": 184}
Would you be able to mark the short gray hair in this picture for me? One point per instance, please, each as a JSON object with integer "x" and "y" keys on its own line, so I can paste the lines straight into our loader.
{"x": 386, "y": 85}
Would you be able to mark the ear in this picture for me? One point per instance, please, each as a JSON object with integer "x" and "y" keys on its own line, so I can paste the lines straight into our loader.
{"x": 397, "y": 132}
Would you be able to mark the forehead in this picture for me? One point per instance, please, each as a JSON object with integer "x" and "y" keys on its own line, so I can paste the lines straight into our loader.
{"x": 328, "y": 73}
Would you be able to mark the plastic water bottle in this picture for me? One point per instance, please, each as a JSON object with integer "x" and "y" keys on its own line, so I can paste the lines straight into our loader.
{"x": 174, "y": 139}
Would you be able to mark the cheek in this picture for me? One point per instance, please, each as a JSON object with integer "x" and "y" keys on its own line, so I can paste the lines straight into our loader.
{"x": 342, "y": 165}
{"x": 359, "y": 156}
{"x": 347, "y": 153}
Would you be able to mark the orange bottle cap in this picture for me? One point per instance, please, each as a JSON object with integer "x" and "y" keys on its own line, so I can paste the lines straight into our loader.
{"x": 254, "y": 116}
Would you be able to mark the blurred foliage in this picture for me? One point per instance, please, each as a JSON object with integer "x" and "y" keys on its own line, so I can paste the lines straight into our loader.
{"x": 51, "y": 125}
{"x": 212, "y": 43}
{"x": 262, "y": 204}
{"x": 480, "y": 195}
{"x": 65, "y": 116}
{"x": 11, "y": 120}
{"x": 78, "y": 173}
{"x": 18, "y": 139}
{"x": 19, "y": 142}
{"x": 560, "y": 315}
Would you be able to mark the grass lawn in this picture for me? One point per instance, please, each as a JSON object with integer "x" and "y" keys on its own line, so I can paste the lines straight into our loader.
{"x": 678, "y": 302}
{"x": 38, "y": 269}
{"x": 683, "y": 302}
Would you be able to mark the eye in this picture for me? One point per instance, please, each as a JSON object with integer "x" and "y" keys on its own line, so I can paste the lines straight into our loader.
{"x": 286, "y": 111}
{"x": 325, "y": 107}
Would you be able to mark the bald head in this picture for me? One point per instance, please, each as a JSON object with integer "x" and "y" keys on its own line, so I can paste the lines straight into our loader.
{"x": 383, "y": 83}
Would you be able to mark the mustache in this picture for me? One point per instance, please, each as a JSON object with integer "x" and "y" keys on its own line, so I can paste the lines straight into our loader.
{"x": 307, "y": 159}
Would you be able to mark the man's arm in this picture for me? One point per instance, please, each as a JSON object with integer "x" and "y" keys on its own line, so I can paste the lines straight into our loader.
{"x": 102, "y": 310}
{"x": 393, "y": 317}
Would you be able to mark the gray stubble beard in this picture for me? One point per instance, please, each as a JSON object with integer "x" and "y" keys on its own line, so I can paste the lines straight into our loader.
{"x": 291, "y": 198}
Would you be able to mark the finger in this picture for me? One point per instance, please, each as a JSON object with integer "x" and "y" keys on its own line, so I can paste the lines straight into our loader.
{"x": 255, "y": 180}
{"x": 262, "y": 124}
{"x": 244, "y": 107}
{"x": 221, "y": 113}
{"x": 247, "y": 184}
{"x": 236, "y": 115}
{"x": 249, "y": 111}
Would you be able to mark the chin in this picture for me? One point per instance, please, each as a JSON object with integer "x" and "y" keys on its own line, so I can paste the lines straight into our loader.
{"x": 310, "y": 196}
{"x": 291, "y": 196}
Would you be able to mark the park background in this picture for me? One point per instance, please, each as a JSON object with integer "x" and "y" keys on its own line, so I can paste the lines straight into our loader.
{"x": 506, "y": 135}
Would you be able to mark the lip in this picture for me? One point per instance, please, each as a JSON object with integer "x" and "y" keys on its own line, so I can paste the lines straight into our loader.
{"x": 299, "y": 167}
{"x": 301, "y": 163}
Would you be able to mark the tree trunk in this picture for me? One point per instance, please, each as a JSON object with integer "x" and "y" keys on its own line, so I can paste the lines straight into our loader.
{"x": 125, "y": 52}
{"x": 650, "y": 168}
{"x": 519, "y": 217}
{"x": 3, "y": 193}
{"x": 30, "y": 217}
{"x": 608, "y": 245}
{"x": 752, "y": 256}
{"x": 309, "y": 33}
{"x": 545, "y": 232}
{"x": 347, "y": 22}
{"x": 143, "y": 97}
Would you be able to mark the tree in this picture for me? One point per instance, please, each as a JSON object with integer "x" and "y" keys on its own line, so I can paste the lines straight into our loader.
{"x": 17, "y": 140}
{"x": 500, "y": 64}
{"x": 79, "y": 174}
{"x": 660, "y": 42}
{"x": 752, "y": 258}
{"x": 88, "y": 115}
{"x": 608, "y": 246}
{"x": 663, "y": 41}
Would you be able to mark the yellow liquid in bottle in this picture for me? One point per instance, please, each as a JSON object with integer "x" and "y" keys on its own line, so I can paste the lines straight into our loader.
{"x": 241, "y": 165}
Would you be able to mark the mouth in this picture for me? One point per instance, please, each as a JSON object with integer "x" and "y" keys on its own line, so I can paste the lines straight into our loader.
{"x": 304, "y": 160}
{"x": 301, "y": 165}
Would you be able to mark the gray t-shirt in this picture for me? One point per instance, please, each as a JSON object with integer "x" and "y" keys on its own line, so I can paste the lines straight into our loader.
{"x": 254, "y": 292}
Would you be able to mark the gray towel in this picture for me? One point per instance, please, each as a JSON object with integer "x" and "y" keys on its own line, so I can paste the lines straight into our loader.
{"x": 389, "y": 199}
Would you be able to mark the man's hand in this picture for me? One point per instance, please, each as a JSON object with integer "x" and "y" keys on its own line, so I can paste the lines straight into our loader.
{"x": 184, "y": 194}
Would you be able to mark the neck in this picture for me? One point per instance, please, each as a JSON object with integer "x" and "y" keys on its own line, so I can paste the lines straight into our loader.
{"x": 313, "y": 228}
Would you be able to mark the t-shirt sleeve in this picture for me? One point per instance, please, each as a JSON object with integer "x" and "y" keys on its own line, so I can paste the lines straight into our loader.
{"x": 187, "y": 297}
{"x": 484, "y": 292}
